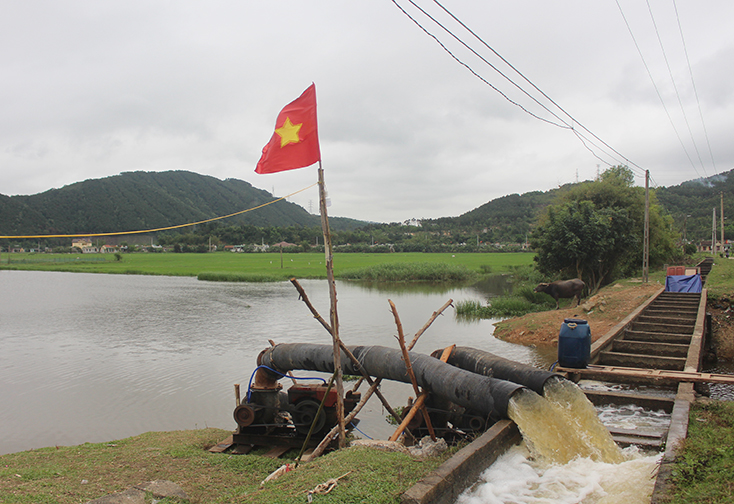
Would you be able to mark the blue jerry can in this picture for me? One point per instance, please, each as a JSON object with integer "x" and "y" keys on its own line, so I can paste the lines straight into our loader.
{"x": 574, "y": 344}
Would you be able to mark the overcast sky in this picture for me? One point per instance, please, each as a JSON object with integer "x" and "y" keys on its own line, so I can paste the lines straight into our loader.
{"x": 92, "y": 89}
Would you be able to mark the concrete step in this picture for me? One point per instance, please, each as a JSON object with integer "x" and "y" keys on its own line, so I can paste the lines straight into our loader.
{"x": 678, "y": 314}
{"x": 679, "y": 295}
{"x": 641, "y": 361}
{"x": 665, "y": 320}
{"x": 687, "y": 307}
{"x": 648, "y": 348}
{"x": 670, "y": 328}
{"x": 657, "y": 337}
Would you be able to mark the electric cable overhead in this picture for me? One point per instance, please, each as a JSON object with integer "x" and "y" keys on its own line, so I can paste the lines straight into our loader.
{"x": 675, "y": 87}
{"x": 654, "y": 85}
{"x": 695, "y": 91}
{"x": 485, "y": 44}
{"x": 581, "y": 132}
{"x": 462, "y": 63}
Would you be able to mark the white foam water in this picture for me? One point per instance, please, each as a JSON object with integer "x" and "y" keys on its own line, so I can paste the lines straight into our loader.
{"x": 519, "y": 478}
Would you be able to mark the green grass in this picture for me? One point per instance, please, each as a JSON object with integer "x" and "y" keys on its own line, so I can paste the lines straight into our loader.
{"x": 62, "y": 475}
{"x": 705, "y": 464}
{"x": 522, "y": 302}
{"x": 227, "y": 266}
{"x": 720, "y": 282}
{"x": 412, "y": 272}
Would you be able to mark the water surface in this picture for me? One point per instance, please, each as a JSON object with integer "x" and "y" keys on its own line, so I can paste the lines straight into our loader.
{"x": 92, "y": 357}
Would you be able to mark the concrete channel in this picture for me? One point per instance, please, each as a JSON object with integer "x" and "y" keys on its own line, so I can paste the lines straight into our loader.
{"x": 660, "y": 344}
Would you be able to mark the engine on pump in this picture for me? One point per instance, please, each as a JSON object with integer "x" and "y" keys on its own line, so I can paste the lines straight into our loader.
{"x": 271, "y": 417}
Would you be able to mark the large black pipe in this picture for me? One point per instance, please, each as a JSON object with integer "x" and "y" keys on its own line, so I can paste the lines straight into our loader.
{"x": 487, "y": 364}
{"x": 482, "y": 394}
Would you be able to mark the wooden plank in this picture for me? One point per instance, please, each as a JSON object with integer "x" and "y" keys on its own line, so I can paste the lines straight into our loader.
{"x": 222, "y": 446}
{"x": 242, "y": 449}
{"x": 652, "y": 374}
{"x": 276, "y": 451}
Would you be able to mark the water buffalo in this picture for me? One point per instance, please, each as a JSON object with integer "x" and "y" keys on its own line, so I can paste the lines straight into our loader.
{"x": 563, "y": 289}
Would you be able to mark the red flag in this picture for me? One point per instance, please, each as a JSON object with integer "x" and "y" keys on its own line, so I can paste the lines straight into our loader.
{"x": 295, "y": 142}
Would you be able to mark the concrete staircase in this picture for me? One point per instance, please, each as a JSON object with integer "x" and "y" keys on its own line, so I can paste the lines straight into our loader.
{"x": 659, "y": 337}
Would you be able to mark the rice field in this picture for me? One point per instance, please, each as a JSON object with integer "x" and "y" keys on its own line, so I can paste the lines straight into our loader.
{"x": 228, "y": 266}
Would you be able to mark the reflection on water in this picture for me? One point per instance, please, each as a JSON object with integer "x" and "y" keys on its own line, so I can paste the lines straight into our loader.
{"x": 494, "y": 286}
{"x": 87, "y": 357}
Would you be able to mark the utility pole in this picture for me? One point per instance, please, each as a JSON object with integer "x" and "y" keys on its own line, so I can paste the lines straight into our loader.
{"x": 722, "y": 221}
{"x": 646, "y": 245}
{"x": 713, "y": 234}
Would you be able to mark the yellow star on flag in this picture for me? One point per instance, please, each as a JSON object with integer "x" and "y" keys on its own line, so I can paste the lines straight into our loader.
{"x": 288, "y": 132}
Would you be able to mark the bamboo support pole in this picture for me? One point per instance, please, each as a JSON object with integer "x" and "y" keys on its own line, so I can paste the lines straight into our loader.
{"x": 317, "y": 316}
{"x": 237, "y": 397}
{"x": 409, "y": 368}
{"x": 329, "y": 261}
{"x": 419, "y": 401}
{"x": 327, "y": 439}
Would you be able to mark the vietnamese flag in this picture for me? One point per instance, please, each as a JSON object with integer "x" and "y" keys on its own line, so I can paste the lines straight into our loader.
{"x": 295, "y": 142}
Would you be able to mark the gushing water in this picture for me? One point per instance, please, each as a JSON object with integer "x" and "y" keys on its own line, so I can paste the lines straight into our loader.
{"x": 571, "y": 402}
{"x": 562, "y": 425}
{"x": 568, "y": 456}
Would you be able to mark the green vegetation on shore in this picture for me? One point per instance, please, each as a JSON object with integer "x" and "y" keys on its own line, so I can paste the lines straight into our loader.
{"x": 705, "y": 463}
{"x": 66, "y": 475}
{"x": 227, "y": 266}
{"x": 523, "y": 301}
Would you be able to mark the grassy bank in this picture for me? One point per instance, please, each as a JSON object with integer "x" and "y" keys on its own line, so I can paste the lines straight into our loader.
{"x": 81, "y": 473}
{"x": 229, "y": 266}
{"x": 705, "y": 464}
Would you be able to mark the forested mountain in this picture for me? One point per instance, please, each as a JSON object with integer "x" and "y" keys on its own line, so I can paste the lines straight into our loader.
{"x": 146, "y": 200}
{"x": 509, "y": 219}
{"x": 691, "y": 204}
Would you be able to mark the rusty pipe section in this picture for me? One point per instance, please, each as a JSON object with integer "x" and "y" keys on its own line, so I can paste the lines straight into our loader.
{"x": 487, "y": 364}
{"x": 482, "y": 394}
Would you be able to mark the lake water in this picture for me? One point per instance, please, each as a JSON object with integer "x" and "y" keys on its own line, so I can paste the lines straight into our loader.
{"x": 93, "y": 358}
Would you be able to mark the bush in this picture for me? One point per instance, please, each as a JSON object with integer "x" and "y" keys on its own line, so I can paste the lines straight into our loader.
{"x": 412, "y": 272}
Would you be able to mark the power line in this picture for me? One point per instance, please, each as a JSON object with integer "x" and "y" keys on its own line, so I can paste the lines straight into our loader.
{"x": 675, "y": 88}
{"x": 577, "y": 131}
{"x": 644, "y": 63}
{"x": 533, "y": 85}
{"x": 462, "y": 63}
{"x": 693, "y": 83}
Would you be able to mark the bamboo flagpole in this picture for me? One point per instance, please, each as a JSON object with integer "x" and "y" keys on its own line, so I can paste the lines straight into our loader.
{"x": 295, "y": 144}
{"x": 333, "y": 316}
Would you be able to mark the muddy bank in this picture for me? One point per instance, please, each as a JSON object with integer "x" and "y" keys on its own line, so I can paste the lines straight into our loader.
{"x": 603, "y": 310}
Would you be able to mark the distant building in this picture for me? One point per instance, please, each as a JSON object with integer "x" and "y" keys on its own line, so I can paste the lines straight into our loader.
{"x": 705, "y": 246}
{"x": 285, "y": 244}
{"x": 81, "y": 243}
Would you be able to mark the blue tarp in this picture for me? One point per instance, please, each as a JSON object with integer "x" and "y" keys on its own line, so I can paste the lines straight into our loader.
{"x": 683, "y": 283}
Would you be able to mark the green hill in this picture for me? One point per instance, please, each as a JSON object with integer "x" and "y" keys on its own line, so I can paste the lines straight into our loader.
{"x": 135, "y": 201}
{"x": 146, "y": 200}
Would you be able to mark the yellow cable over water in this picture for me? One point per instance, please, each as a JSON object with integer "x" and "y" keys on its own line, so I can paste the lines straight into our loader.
{"x": 163, "y": 228}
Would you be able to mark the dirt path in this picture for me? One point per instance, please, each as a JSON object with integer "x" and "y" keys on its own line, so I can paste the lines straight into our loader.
{"x": 602, "y": 311}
